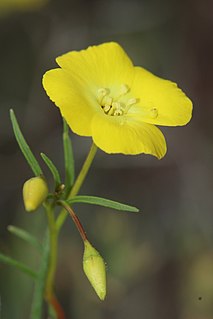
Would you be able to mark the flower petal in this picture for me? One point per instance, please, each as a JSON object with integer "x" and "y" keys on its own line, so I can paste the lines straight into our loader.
{"x": 76, "y": 105}
{"x": 161, "y": 101}
{"x": 100, "y": 66}
{"x": 115, "y": 134}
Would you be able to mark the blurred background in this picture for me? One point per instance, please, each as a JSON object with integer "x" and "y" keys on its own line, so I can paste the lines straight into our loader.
{"x": 160, "y": 261}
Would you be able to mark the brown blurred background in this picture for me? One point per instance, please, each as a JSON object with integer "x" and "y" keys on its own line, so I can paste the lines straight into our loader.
{"x": 160, "y": 262}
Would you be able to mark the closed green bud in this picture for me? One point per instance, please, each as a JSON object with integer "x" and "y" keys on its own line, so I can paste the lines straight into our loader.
{"x": 94, "y": 268}
{"x": 35, "y": 191}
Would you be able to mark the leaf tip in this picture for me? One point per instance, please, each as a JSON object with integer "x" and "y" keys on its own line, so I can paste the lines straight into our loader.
{"x": 9, "y": 228}
{"x": 12, "y": 113}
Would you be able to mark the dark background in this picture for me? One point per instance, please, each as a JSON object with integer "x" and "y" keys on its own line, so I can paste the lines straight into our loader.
{"x": 160, "y": 262}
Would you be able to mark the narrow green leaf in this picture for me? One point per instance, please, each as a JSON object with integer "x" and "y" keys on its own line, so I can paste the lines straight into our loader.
{"x": 102, "y": 202}
{"x": 68, "y": 159}
{"x": 53, "y": 169}
{"x": 24, "y": 146}
{"x": 23, "y": 234}
{"x": 39, "y": 290}
{"x": 17, "y": 264}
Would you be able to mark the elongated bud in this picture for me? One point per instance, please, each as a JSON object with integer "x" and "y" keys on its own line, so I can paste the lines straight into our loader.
{"x": 35, "y": 191}
{"x": 94, "y": 268}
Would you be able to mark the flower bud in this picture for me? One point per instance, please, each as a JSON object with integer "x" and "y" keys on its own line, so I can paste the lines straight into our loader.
{"x": 94, "y": 268}
{"x": 35, "y": 191}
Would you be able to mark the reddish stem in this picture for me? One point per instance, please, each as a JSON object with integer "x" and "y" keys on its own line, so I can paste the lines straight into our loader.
{"x": 57, "y": 307}
{"x": 76, "y": 220}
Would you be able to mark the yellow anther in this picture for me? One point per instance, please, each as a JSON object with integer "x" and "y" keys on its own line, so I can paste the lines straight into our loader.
{"x": 102, "y": 92}
{"x": 115, "y": 105}
{"x": 106, "y": 108}
{"x": 118, "y": 112}
{"x": 111, "y": 111}
{"x": 118, "y": 108}
{"x": 132, "y": 101}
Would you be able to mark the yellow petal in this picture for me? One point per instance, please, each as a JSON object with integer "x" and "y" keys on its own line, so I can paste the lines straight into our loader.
{"x": 161, "y": 101}
{"x": 99, "y": 66}
{"x": 119, "y": 134}
{"x": 74, "y": 88}
{"x": 76, "y": 104}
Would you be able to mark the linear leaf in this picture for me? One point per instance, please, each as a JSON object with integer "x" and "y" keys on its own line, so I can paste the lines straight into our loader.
{"x": 38, "y": 295}
{"x": 53, "y": 169}
{"x": 102, "y": 202}
{"x": 24, "y": 146}
{"x": 68, "y": 158}
{"x": 17, "y": 264}
{"x": 23, "y": 234}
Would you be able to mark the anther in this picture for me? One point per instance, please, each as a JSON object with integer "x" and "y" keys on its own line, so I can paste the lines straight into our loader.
{"x": 118, "y": 109}
{"x": 131, "y": 101}
{"x": 118, "y": 112}
{"x": 116, "y": 105}
{"x": 106, "y": 108}
{"x": 102, "y": 92}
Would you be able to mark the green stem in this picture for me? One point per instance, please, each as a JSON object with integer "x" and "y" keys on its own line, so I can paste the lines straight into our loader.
{"x": 53, "y": 252}
{"x": 55, "y": 225}
{"x": 83, "y": 173}
{"x": 78, "y": 183}
{"x": 53, "y": 235}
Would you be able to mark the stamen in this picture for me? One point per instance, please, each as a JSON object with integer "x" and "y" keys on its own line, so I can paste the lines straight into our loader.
{"x": 113, "y": 106}
{"x": 118, "y": 112}
{"x": 123, "y": 90}
{"x": 116, "y": 105}
{"x": 111, "y": 111}
{"x": 107, "y": 100}
{"x": 106, "y": 108}
{"x": 102, "y": 92}
{"x": 131, "y": 101}
{"x": 118, "y": 108}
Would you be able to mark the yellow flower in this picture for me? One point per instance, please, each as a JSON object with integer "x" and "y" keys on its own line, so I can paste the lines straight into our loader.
{"x": 102, "y": 94}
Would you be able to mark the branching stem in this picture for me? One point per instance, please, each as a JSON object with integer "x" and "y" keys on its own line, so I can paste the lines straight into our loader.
{"x": 55, "y": 225}
{"x": 78, "y": 183}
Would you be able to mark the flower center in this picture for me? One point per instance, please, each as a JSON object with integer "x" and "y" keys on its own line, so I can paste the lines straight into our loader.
{"x": 115, "y": 106}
